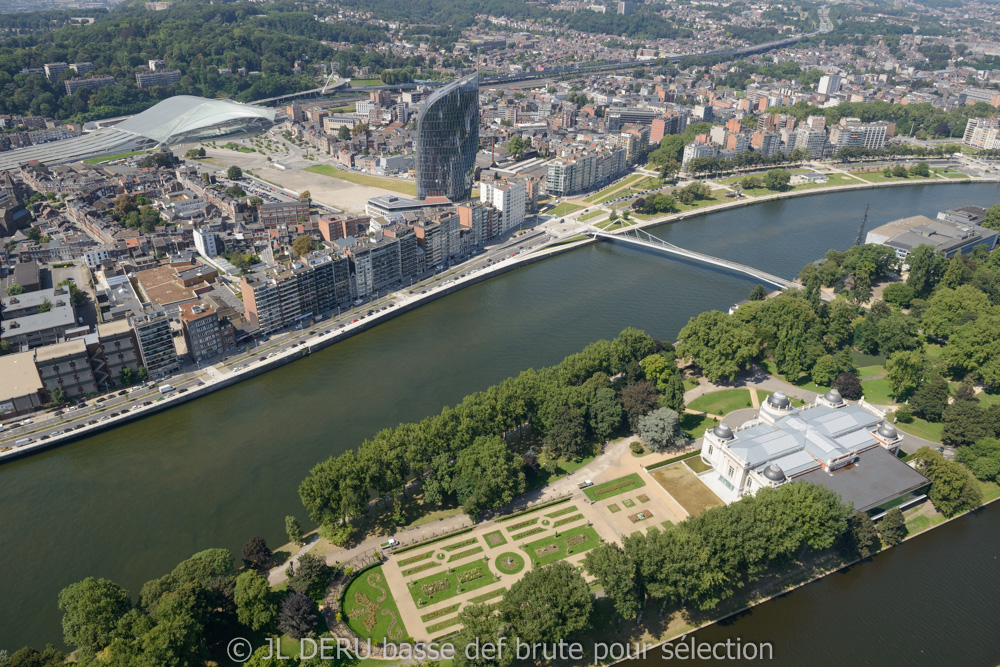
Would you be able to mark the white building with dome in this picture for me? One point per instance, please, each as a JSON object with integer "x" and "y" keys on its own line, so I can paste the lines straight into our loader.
{"x": 844, "y": 447}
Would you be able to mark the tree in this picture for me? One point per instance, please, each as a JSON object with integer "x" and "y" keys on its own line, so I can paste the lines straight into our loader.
{"x": 777, "y": 179}
{"x": 91, "y": 609}
{"x": 293, "y": 529}
{"x": 302, "y": 245}
{"x": 950, "y": 308}
{"x": 256, "y": 554}
{"x": 904, "y": 370}
{"x": 758, "y": 293}
{"x": 661, "y": 429}
{"x": 849, "y": 385}
{"x": 487, "y": 476}
{"x": 721, "y": 345}
{"x": 298, "y": 616}
{"x": 898, "y": 294}
{"x": 309, "y": 575}
{"x": 899, "y": 171}
{"x": 255, "y": 607}
{"x": 920, "y": 169}
{"x": 982, "y": 458}
{"x": 29, "y": 657}
{"x": 234, "y": 173}
{"x": 566, "y": 431}
{"x": 45, "y": 306}
{"x": 143, "y": 374}
{"x": 669, "y": 168}
{"x": 518, "y": 145}
{"x": 480, "y": 625}
{"x": 58, "y": 395}
{"x": 930, "y": 398}
{"x": 305, "y": 195}
{"x": 892, "y": 527}
{"x": 992, "y": 218}
{"x": 548, "y": 604}
{"x": 953, "y": 489}
{"x": 127, "y": 376}
{"x": 673, "y": 393}
{"x": 965, "y": 422}
{"x": 123, "y": 205}
{"x": 619, "y": 576}
{"x": 637, "y": 400}
{"x": 236, "y": 192}
{"x": 862, "y": 538}
{"x": 344, "y": 133}
{"x": 926, "y": 268}
{"x": 14, "y": 289}
{"x": 604, "y": 414}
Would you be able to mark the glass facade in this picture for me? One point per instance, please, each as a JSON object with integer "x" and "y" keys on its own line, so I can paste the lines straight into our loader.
{"x": 447, "y": 140}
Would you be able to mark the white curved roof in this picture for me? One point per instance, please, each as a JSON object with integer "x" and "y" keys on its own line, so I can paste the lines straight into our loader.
{"x": 183, "y": 113}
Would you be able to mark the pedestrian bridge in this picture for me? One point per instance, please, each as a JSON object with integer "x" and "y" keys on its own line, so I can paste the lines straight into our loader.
{"x": 638, "y": 237}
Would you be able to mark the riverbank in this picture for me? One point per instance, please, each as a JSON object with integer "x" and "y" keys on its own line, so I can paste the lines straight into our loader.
{"x": 842, "y": 567}
{"x": 252, "y": 367}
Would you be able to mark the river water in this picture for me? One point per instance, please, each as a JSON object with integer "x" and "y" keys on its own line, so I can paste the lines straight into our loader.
{"x": 130, "y": 503}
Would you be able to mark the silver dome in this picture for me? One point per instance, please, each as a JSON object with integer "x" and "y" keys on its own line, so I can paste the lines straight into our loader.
{"x": 722, "y": 431}
{"x": 774, "y": 473}
{"x": 888, "y": 431}
{"x": 778, "y": 400}
{"x": 833, "y": 396}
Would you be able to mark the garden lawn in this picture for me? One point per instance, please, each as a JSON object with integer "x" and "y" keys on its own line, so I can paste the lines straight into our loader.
{"x": 405, "y": 187}
{"x": 877, "y": 391}
{"x": 696, "y": 425}
{"x": 718, "y": 195}
{"x": 922, "y": 429}
{"x": 421, "y": 599}
{"x": 563, "y": 548}
{"x": 722, "y": 402}
{"x": 614, "y": 187}
{"x": 380, "y": 595}
{"x": 615, "y": 487}
{"x": 564, "y": 208}
{"x": 592, "y": 214}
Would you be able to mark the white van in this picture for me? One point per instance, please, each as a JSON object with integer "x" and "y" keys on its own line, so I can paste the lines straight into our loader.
{"x": 166, "y": 389}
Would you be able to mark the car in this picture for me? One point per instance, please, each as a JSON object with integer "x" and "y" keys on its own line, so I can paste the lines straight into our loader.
{"x": 91, "y": 422}
{"x": 101, "y": 400}
{"x": 44, "y": 437}
{"x": 354, "y": 320}
{"x": 57, "y": 413}
{"x": 182, "y": 390}
{"x": 55, "y": 433}
{"x": 122, "y": 392}
{"x": 258, "y": 359}
{"x": 124, "y": 410}
{"x": 202, "y": 384}
{"x": 147, "y": 403}
{"x": 72, "y": 408}
{"x": 81, "y": 406}
{"x": 115, "y": 414}
{"x": 586, "y": 483}
{"x": 104, "y": 418}
{"x": 26, "y": 422}
{"x": 326, "y": 332}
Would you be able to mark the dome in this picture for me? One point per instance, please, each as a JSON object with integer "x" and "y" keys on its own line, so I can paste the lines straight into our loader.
{"x": 888, "y": 431}
{"x": 779, "y": 400}
{"x": 833, "y": 396}
{"x": 774, "y": 473}
{"x": 722, "y": 431}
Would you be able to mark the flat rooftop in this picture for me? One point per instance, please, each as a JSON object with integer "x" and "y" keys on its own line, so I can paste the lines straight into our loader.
{"x": 18, "y": 376}
{"x": 877, "y": 477}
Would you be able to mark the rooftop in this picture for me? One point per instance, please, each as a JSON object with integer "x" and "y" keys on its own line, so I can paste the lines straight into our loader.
{"x": 20, "y": 377}
{"x": 877, "y": 477}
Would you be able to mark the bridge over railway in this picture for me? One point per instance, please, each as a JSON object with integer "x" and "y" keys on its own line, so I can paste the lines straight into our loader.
{"x": 643, "y": 239}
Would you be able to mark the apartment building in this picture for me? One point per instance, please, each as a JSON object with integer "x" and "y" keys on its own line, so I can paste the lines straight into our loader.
{"x": 202, "y": 331}
{"x": 584, "y": 171}
{"x": 77, "y": 83}
{"x": 156, "y": 342}
{"x": 273, "y": 214}
{"x": 67, "y": 366}
{"x": 508, "y": 198}
{"x": 166, "y": 77}
{"x": 317, "y": 283}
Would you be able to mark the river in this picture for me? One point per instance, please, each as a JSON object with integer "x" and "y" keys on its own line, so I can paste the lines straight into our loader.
{"x": 130, "y": 503}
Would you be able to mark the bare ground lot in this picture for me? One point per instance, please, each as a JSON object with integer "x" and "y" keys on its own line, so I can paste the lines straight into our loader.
{"x": 681, "y": 483}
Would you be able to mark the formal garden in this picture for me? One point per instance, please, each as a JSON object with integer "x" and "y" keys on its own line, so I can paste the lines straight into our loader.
{"x": 448, "y": 584}
{"x": 561, "y": 545}
{"x": 370, "y": 610}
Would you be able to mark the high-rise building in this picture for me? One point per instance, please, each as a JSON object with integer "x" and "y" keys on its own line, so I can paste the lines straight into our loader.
{"x": 828, "y": 84}
{"x": 507, "y": 197}
{"x": 448, "y": 139}
{"x": 812, "y": 142}
{"x": 156, "y": 342}
{"x": 314, "y": 284}
{"x": 201, "y": 331}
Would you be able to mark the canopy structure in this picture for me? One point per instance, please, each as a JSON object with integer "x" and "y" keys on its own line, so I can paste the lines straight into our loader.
{"x": 172, "y": 121}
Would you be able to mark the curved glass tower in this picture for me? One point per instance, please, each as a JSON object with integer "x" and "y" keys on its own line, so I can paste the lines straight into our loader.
{"x": 448, "y": 139}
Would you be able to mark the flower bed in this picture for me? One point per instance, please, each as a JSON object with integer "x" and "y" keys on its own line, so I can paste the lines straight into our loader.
{"x": 558, "y": 513}
{"x": 568, "y": 519}
{"x": 415, "y": 559}
{"x": 643, "y": 498}
{"x": 470, "y": 575}
{"x": 419, "y": 568}
{"x": 522, "y": 524}
{"x": 463, "y": 554}
{"x": 492, "y": 594}
{"x": 509, "y": 563}
{"x": 433, "y": 587}
{"x": 547, "y": 550}
{"x": 441, "y": 612}
{"x": 640, "y": 516}
{"x": 443, "y": 624}
{"x": 459, "y": 545}
{"x": 495, "y": 539}
{"x": 531, "y": 531}
{"x": 369, "y": 608}
{"x": 613, "y": 508}
{"x": 615, "y": 487}
{"x": 443, "y": 585}
{"x": 628, "y": 502}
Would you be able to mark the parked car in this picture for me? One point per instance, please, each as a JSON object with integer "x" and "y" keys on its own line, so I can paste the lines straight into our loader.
{"x": 586, "y": 483}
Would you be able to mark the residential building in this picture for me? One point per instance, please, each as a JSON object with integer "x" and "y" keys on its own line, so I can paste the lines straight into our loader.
{"x": 508, "y": 198}
{"x": 166, "y": 77}
{"x": 33, "y": 319}
{"x": 829, "y": 84}
{"x": 448, "y": 140}
{"x": 202, "y": 331}
{"x": 21, "y": 391}
{"x": 375, "y": 262}
{"x": 315, "y": 284}
{"x": 983, "y": 133}
{"x": 156, "y": 342}
{"x": 274, "y": 214}
{"x": 118, "y": 347}
{"x": 696, "y": 150}
{"x": 54, "y": 70}
{"x": 813, "y": 142}
{"x": 584, "y": 170}
{"x": 75, "y": 84}
{"x": 768, "y": 143}
{"x": 66, "y": 365}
